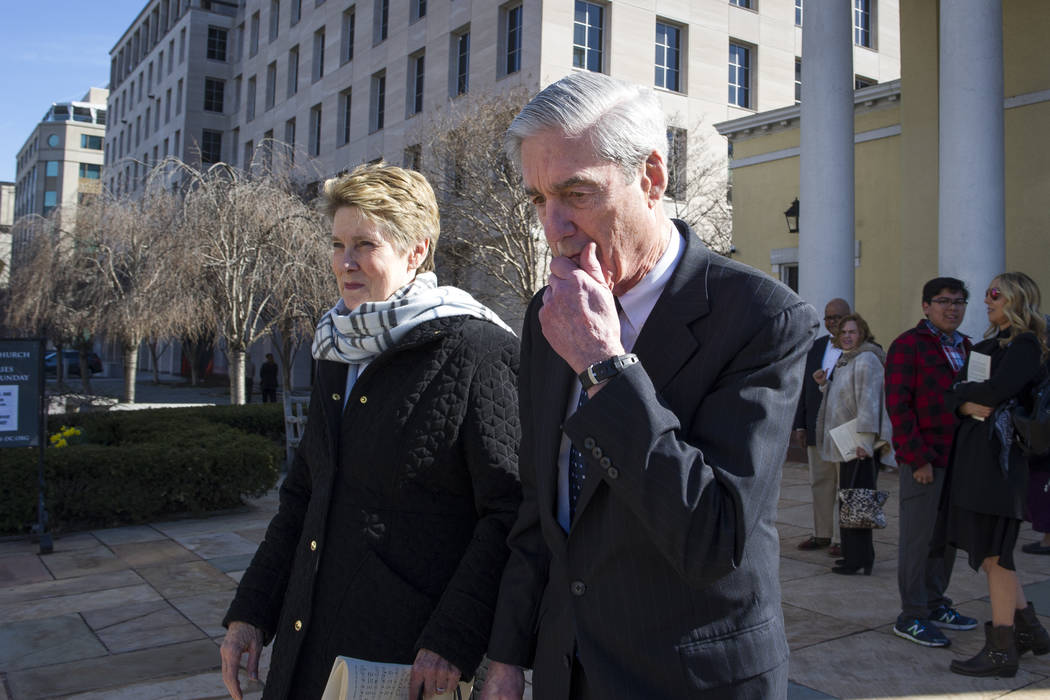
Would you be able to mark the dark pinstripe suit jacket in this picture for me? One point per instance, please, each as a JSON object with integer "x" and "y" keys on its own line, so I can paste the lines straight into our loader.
{"x": 667, "y": 585}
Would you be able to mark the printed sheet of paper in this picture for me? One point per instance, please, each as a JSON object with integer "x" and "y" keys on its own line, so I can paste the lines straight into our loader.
{"x": 8, "y": 408}
{"x": 979, "y": 370}
{"x": 980, "y": 367}
{"x": 356, "y": 679}
{"x": 845, "y": 437}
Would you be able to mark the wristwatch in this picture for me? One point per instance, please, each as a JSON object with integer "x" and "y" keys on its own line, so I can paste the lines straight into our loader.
{"x": 606, "y": 369}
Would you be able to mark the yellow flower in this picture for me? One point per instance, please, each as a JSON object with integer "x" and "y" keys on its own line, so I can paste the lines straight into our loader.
{"x": 61, "y": 442}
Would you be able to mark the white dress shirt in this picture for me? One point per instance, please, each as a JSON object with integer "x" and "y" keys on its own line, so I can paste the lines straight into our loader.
{"x": 635, "y": 306}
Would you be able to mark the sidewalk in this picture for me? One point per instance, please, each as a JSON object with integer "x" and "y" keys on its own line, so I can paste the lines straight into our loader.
{"x": 134, "y": 613}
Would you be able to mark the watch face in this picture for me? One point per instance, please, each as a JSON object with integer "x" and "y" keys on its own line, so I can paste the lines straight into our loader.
{"x": 52, "y": 140}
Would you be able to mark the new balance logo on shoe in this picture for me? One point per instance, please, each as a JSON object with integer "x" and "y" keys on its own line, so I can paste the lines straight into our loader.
{"x": 920, "y": 632}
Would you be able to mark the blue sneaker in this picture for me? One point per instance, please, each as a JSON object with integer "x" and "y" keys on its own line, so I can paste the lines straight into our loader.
{"x": 949, "y": 618}
{"x": 920, "y": 632}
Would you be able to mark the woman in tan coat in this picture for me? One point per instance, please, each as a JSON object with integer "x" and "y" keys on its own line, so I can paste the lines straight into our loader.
{"x": 854, "y": 390}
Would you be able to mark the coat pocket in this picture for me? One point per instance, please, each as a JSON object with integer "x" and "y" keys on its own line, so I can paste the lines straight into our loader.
{"x": 380, "y": 616}
{"x": 720, "y": 661}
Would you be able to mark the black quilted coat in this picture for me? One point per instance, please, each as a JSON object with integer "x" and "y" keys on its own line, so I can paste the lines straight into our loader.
{"x": 391, "y": 530}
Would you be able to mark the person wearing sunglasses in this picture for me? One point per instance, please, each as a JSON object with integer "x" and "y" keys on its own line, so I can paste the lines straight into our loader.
{"x": 988, "y": 475}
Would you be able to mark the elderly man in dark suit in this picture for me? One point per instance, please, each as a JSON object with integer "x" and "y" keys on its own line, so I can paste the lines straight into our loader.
{"x": 657, "y": 390}
{"x": 823, "y": 475}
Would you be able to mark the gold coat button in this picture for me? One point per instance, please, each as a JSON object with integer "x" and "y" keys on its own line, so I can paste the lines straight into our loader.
{"x": 313, "y": 545}
{"x": 364, "y": 399}
{"x": 335, "y": 397}
{"x": 298, "y": 625}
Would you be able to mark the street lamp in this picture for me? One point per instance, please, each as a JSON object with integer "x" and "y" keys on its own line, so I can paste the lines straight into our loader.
{"x": 792, "y": 217}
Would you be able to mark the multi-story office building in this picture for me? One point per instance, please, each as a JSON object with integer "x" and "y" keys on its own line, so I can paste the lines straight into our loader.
{"x": 7, "y": 218}
{"x": 61, "y": 161}
{"x": 349, "y": 81}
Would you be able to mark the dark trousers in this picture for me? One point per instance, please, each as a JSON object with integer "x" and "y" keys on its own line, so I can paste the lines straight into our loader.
{"x": 921, "y": 578}
{"x": 858, "y": 548}
{"x": 269, "y": 394}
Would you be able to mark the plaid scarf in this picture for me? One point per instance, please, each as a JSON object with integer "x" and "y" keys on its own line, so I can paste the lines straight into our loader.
{"x": 374, "y": 326}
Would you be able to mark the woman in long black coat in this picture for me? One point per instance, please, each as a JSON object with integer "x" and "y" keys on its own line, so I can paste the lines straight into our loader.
{"x": 989, "y": 475}
{"x": 390, "y": 538}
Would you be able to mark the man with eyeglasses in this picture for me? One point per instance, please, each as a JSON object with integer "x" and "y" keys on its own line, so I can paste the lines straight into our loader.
{"x": 922, "y": 364}
{"x": 823, "y": 475}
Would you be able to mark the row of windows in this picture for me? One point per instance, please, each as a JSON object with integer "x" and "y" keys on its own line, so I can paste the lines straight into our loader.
{"x": 862, "y": 16}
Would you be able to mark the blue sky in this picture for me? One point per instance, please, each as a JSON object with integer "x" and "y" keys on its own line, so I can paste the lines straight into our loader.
{"x": 53, "y": 51}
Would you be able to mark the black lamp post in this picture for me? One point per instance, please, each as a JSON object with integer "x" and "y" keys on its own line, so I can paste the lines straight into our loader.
{"x": 792, "y": 217}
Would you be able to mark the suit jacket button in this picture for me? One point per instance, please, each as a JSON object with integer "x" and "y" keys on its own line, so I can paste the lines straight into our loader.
{"x": 364, "y": 399}
{"x": 578, "y": 588}
{"x": 612, "y": 472}
{"x": 336, "y": 397}
{"x": 589, "y": 443}
{"x": 604, "y": 462}
{"x": 313, "y": 545}
{"x": 298, "y": 625}
{"x": 597, "y": 452}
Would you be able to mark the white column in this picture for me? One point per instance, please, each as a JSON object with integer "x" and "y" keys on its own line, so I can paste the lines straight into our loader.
{"x": 971, "y": 230}
{"x": 825, "y": 241}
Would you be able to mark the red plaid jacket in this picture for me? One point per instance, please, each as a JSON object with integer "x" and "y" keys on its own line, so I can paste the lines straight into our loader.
{"x": 917, "y": 377}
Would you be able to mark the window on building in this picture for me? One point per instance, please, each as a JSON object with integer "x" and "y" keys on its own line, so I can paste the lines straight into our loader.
{"x": 293, "y": 70}
{"x": 741, "y": 3}
{"x": 237, "y": 85}
{"x": 318, "y": 69}
{"x": 346, "y": 48}
{"x": 145, "y": 129}
{"x": 677, "y": 162}
{"x": 413, "y": 157}
{"x": 739, "y": 75}
{"x": 418, "y": 10}
{"x": 315, "y": 130}
{"x": 297, "y": 12}
{"x": 415, "y": 83}
{"x": 512, "y": 31}
{"x": 266, "y": 146}
{"x": 235, "y": 139}
{"x": 156, "y": 117}
{"x": 275, "y": 19}
{"x": 217, "y": 43}
{"x": 91, "y": 141}
{"x": 182, "y": 45}
{"x": 90, "y": 171}
{"x": 211, "y": 146}
{"x": 862, "y": 23}
{"x": 249, "y": 153}
{"x": 289, "y": 140}
{"x": 377, "y": 102}
{"x": 461, "y": 62}
{"x": 859, "y": 82}
{"x": 345, "y": 103}
{"x": 250, "y": 100}
{"x": 178, "y": 97}
{"x": 668, "y": 56}
{"x": 253, "y": 40}
{"x": 50, "y": 201}
{"x": 798, "y": 80}
{"x": 51, "y": 168}
{"x": 271, "y": 85}
{"x": 798, "y": 13}
{"x": 214, "y": 92}
{"x": 588, "y": 36}
{"x": 177, "y": 151}
{"x": 166, "y": 143}
{"x": 380, "y": 20}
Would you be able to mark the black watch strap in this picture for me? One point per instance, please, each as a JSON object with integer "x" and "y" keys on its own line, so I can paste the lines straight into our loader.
{"x": 606, "y": 369}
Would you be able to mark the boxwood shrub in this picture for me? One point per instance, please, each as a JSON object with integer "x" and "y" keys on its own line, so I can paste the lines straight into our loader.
{"x": 136, "y": 466}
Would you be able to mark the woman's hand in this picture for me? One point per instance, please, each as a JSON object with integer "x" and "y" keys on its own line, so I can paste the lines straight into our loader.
{"x": 240, "y": 638}
{"x": 503, "y": 682}
{"x": 820, "y": 377}
{"x": 969, "y": 408}
{"x": 432, "y": 674}
{"x": 862, "y": 453}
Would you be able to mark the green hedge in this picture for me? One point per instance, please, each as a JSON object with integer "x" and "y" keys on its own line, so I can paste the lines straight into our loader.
{"x": 137, "y": 466}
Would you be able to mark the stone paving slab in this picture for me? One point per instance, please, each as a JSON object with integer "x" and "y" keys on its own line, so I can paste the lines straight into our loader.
{"x": 93, "y": 560}
{"x": 114, "y": 671}
{"x": 20, "y": 569}
{"x": 141, "y": 626}
{"x": 94, "y": 600}
{"x": 182, "y": 580}
{"x": 238, "y": 562}
{"x": 128, "y": 534}
{"x": 52, "y": 640}
{"x": 146, "y": 554}
{"x": 218, "y": 544}
{"x": 206, "y": 610}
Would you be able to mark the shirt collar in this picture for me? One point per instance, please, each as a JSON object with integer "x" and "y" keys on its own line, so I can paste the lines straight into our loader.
{"x": 638, "y": 302}
{"x": 956, "y": 337}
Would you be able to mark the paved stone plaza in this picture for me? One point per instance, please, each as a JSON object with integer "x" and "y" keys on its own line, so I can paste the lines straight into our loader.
{"x": 134, "y": 613}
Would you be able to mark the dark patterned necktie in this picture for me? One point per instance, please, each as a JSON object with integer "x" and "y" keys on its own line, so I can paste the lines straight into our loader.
{"x": 577, "y": 470}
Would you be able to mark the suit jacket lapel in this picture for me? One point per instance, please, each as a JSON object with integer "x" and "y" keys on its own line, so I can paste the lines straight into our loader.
{"x": 552, "y": 379}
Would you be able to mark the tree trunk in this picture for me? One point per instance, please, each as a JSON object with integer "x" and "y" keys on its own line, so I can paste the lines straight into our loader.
{"x": 85, "y": 373}
{"x": 154, "y": 359}
{"x": 237, "y": 377}
{"x": 131, "y": 364}
{"x": 60, "y": 367}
